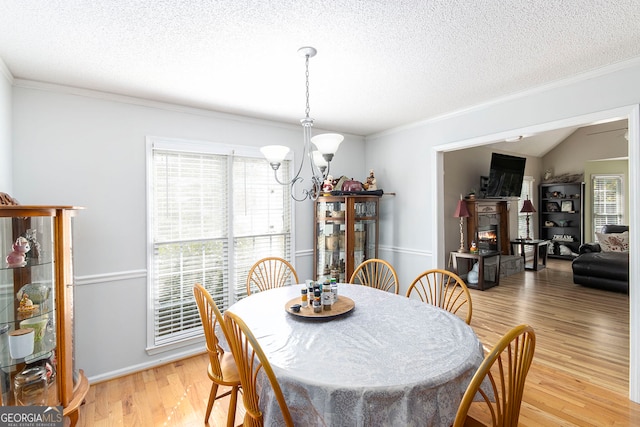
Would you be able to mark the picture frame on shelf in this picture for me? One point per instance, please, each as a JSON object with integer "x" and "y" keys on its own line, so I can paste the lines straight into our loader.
{"x": 553, "y": 207}
{"x": 567, "y": 206}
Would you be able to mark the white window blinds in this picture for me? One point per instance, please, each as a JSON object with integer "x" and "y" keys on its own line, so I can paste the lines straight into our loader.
{"x": 608, "y": 206}
{"x": 261, "y": 217}
{"x": 213, "y": 213}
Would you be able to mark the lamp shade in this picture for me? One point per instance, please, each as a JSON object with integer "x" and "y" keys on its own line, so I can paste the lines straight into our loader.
{"x": 327, "y": 143}
{"x": 461, "y": 210}
{"x": 527, "y": 206}
{"x": 318, "y": 159}
{"x": 274, "y": 153}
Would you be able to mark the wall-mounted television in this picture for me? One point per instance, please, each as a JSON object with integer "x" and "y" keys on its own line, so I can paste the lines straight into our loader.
{"x": 505, "y": 176}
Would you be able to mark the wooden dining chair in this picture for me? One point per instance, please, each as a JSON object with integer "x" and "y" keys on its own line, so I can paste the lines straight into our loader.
{"x": 443, "y": 289}
{"x": 376, "y": 273}
{"x": 270, "y": 272}
{"x": 506, "y": 367}
{"x": 222, "y": 368}
{"x": 250, "y": 359}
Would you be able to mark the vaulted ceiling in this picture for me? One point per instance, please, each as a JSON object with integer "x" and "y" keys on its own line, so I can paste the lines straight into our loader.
{"x": 380, "y": 64}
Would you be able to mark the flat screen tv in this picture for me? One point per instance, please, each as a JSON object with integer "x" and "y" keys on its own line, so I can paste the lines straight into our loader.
{"x": 505, "y": 176}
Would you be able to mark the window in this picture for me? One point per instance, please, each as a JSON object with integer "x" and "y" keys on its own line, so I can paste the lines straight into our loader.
{"x": 213, "y": 210}
{"x": 607, "y": 201}
{"x": 527, "y": 191}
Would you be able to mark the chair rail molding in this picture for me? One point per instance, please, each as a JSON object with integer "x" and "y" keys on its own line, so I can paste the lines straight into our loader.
{"x": 96, "y": 279}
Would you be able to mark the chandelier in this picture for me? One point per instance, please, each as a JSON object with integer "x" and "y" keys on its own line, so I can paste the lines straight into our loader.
{"x": 318, "y": 149}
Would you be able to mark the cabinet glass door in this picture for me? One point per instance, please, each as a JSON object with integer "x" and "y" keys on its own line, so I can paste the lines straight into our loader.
{"x": 331, "y": 237}
{"x": 27, "y": 311}
{"x": 365, "y": 239}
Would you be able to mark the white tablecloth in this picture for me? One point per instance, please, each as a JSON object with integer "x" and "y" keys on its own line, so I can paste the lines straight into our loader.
{"x": 391, "y": 361}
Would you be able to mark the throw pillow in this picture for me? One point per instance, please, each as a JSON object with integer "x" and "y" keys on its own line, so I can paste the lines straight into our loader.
{"x": 614, "y": 242}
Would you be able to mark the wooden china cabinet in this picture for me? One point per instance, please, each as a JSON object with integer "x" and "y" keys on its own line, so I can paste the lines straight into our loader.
{"x": 36, "y": 273}
{"x": 346, "y": 234}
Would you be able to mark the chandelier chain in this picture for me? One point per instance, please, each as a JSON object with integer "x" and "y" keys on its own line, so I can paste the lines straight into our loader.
{"x": 307, "y": 110}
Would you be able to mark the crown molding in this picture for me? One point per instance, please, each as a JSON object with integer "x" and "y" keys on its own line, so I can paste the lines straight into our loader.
{"x": 4, "y": 70}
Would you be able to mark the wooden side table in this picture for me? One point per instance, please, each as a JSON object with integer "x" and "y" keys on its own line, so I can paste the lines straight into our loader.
{"x": 480, "y": 258}
{"x": 540, "y": 252}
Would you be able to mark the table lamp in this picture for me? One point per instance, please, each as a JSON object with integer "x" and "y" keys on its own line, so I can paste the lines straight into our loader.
{"x": 527, "y": 207}
{"x": 461, "y": 212}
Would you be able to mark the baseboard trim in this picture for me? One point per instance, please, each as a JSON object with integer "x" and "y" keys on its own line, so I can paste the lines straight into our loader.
{"x": 107, "y": 376}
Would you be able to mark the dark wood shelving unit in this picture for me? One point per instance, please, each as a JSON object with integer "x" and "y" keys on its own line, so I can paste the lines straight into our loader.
{"x": 561, "y": 216}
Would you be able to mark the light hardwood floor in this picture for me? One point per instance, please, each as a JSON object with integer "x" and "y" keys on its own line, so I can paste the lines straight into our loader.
{"x": 579, "y": 376}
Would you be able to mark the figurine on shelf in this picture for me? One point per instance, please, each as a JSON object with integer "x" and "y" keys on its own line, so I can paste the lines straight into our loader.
{"x": 327, "y": 186}
{"x": 30, "y": 235}
{"x": 17, "y": 257}
{"x": 26, "y": 305}
{"x": 474, "y": 248}
{"x": 22, "y": 245}
{"x": 370, "y": 184}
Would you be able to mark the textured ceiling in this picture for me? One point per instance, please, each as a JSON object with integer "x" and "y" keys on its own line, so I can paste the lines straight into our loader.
{"x": 380, "y": 64}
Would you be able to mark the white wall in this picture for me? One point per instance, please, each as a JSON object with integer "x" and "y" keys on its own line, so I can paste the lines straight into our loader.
{"x": 6, "y": 80}
{"x": 88, "y": 149}
{"x": 417, "y": 153}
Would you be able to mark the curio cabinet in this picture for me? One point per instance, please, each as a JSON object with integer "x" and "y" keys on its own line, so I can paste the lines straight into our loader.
{"x": 346, "y": 234}
{"x": 37, "y": 361}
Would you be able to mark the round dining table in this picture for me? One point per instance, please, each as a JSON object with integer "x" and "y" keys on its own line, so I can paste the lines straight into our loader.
{"x": 389, "y": 361}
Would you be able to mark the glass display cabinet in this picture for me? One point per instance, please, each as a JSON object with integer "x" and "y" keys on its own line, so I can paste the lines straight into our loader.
{"x": 346, "y": 234}
{"x": 37, "y": 362}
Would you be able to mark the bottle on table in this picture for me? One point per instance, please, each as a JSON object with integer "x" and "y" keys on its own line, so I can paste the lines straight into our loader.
{"x": 327, "y": 296}
{"x": 334, "y": 290}
{"x": 317, "y": 303}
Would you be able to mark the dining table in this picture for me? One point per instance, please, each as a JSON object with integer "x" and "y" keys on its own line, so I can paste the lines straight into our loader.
{"x": 386, "y": 360}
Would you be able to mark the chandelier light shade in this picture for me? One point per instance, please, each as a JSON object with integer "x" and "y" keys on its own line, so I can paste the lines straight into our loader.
{"x": 527, "y": 207}
{"x": 461, "y": 212}
{"x": 275, "y": 154}
{"x": 327, "y": 144}
{"x": 319, "y": 158}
